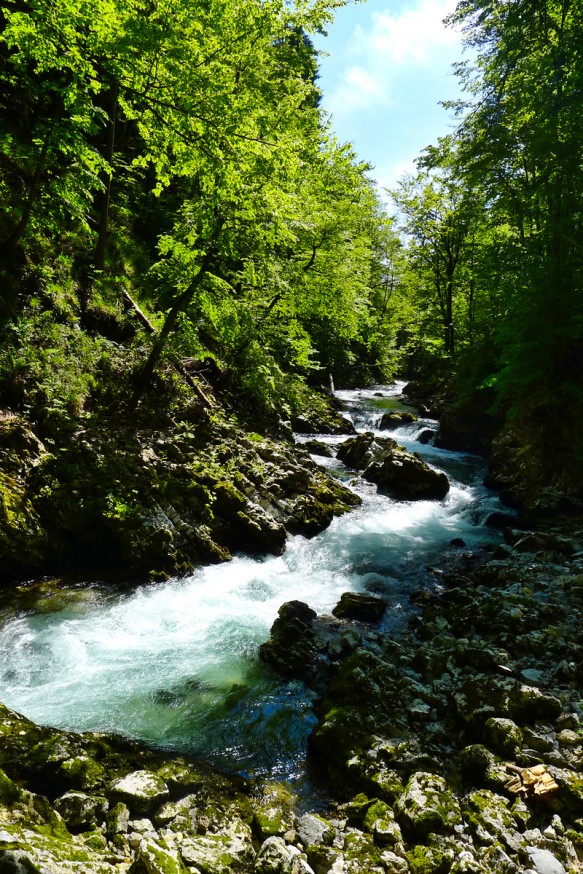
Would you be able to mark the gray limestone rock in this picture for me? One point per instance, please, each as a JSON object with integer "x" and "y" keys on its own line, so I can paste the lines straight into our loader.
{"x": 427, "y": 805}
{"x": 151, "y": 858}
{"x": 543, "y": 861}
{"x": 313, "y": 829}
{"x": 142, "y": 791}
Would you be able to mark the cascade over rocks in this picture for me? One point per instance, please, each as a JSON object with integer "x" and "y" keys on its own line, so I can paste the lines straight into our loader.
{"x": 395, "y": 471}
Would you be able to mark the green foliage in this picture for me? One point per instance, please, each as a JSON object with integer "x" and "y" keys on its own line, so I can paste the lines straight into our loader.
{"x": 169, "y": 190}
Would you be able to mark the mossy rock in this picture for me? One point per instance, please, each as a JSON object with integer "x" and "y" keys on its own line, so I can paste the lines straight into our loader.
{"x": 490, "y": 818}
{"x": 427, "y": 805}
{"x": 380, "y": 822}
{"x": 142, "y": 791}
{"x": 152, "y": 858}
{"x": 9, "y": 791}
{"x": 273, "y": 816}
{"x": 360, "y": 852}
{"x": 428, "y": 860}
{"x": 25, "y": 545}
{"x": 503, "y": 735}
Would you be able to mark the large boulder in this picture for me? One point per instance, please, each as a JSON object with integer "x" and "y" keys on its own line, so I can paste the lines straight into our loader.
{"x": 427, "y": 805}
{"x": 399, "y": 473}
{"x": 355, "y": 605}
{"x": 291, "y": 648}
{"x": 396, "y": 419}
{"x": 142, "y": 791}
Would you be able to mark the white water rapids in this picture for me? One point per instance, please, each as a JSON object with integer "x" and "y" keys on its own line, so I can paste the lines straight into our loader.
{"x": 175, "y": 664}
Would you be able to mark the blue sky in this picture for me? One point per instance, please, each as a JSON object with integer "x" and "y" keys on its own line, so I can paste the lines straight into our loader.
{"x": 388, "y": 66}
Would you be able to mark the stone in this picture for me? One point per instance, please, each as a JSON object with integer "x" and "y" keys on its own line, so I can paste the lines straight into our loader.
{"x": 394, "y": 864}
{"x": 313, "y": 829}
{"x": 273, "y": 817}
{"x": 142, "y": 791}
{"x": 396, "y": 419}
{"x": 171, "y": 809}
{"x": 427, "y": 805}
{"x": 230, "y": 850}
{"x": 291, "y": 646}
{"x": 380, "y": 821}
{"x": 81, "y": 811}
{"x": 273, "y": 857}
{"x": 117, "y": 820}
{"x": 425, "y": 436}
{"x": 544, "y": 862}
{"x": 354, "y": 605}
{"x": 151, "y": 858}
{"x": 490, "y": 819}
{"x": 316, "y": 447}
{"x": 503, "y": 736}
{"x": 395, "y": 471}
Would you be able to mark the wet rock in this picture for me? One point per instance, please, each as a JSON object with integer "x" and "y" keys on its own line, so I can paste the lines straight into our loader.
{"x": 142, "y": 791}
{"x": 334, "y": 423}
{"x": 292, "y": 645}
{"x": 396, "y": 419}
{"x": 317, "y": 447}
{"x": 427, "y": 805}
{"x": 425, "y": 436}
{"x": 394, "y": 470}
{"x": 353, "y": 605}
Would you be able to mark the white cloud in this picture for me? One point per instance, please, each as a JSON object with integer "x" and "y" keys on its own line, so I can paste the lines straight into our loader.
{"x": 358, "y": 89}
{"x": 381, "y": 52}
{"x": 412, "y": 36}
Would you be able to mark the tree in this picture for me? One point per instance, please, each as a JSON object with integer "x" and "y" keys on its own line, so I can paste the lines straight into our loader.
{"x": 437, "y": 221}
{"x": 520, "y": 140}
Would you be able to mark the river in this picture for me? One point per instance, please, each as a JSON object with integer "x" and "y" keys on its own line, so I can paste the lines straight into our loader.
{"x": 175, "y": 664}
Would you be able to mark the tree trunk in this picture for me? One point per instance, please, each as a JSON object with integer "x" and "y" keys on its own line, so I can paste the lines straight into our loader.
{"x": 180, "y": 304}
{"x": 101, "y": 245}
{"x": 33, "y": 192}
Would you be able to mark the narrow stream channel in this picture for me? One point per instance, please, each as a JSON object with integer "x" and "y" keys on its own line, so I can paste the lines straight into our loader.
{"x": 175, "y": 664}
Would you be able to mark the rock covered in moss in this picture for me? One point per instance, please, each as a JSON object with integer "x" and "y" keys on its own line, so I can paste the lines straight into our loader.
{"x": 395, "y": 471}
{"x": 158, "y": 500}
{"x": 80, "y": 810}
{"x": 427, "y": 805}
{"x": 142, "y": 791}
{"x": 396, "y": 419}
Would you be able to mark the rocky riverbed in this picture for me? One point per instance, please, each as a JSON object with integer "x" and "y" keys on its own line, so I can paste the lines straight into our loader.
{"x": 456, "y": 747}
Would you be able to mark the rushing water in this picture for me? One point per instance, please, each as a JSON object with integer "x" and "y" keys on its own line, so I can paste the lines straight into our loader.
{"x": 175, "y": 664}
